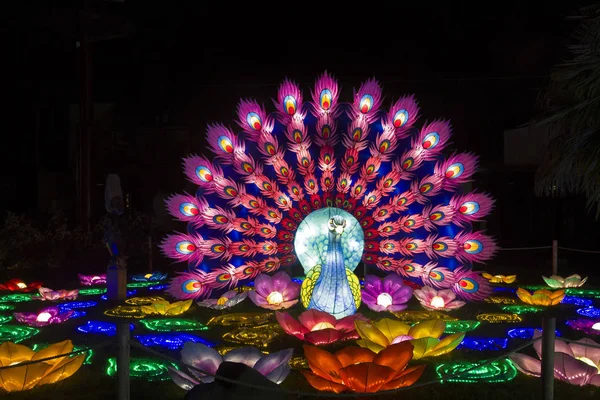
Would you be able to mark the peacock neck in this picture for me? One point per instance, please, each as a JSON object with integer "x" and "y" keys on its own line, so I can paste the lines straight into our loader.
{"x": 332, "y": 292}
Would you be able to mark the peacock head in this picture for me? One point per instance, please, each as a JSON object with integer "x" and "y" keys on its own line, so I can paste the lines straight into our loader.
{"x": 337, "y": 224}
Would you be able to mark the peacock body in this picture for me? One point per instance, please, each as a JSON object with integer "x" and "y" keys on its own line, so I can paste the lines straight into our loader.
{"x": 329, "y": 184}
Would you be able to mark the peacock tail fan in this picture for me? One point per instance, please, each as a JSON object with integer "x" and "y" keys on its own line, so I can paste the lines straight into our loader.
{"x": 267, "y": 172}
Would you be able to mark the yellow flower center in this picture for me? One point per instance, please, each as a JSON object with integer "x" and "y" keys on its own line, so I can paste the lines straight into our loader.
{"x": 322, "y": 325}
{"x": 437, "y": 302}
{"x": 222, "y": 301}
{"x": 596, "y": 326}
{"x": 147, "y": 276}
{"x": 21, "y": 285}
{"x": 384, "y": 300}
{"x": 589, "y": 362}
{"x": 43, "y": 317}
{"x": 275, "y": 298}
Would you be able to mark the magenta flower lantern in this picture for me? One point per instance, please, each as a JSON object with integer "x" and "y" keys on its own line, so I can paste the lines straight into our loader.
{"x": 275, "y": 366}
{"x": 574, "y": 363}
{"x": 387, "y": 294}
{"x": 318, "y": 327}
{"x": 588, "y": 326}
{"x": 439, "y": 300}
{"x": 49, "y": 294}
{"x": 277, "y": 292}
{"x": 48, "y": 316}
{"x": 91, "y": 280}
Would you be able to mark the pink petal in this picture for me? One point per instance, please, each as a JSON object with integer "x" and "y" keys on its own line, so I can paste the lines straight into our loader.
{"x": 244, "y": 355}
{"x": 559, "y": 345}
{"x": 292, "y": 291}
{"x": 323, "y": 336}
{"x": 257, "y": 298}
{"x": 580, "y": 350}
{"x": 290, "y": 325}
{"x": 280, "y": 280}
{"x": 527, "y": 365}
{"x": 569, "y": 369}
{"x": 347, "y": 323}
{"x": 202, "y": 357}
{"x": 373, "y": 285}
{"x": 269, "y": 363}
{"x": 392, "y": 283}
{"x": 397, "y": 307}
{"x": 312, "y": 317}
{"x": 181, "y": 379}
{"x": 263, "y": 284}
{"x": 448, "y": 295}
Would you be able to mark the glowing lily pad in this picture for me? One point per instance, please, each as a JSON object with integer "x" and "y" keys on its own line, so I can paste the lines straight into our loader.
{"x": 461, "y": 326}
{"x": 168, "y": 324}
{"x": 16, "y": 333}
{"x": 15, "y": 298}
{"x": 92, "y": 291}
{"x": 495, "y": 372}
{"x": 5, "y": 318}
{"x": 241, "y": 319}
{"x": 144, "y": 368}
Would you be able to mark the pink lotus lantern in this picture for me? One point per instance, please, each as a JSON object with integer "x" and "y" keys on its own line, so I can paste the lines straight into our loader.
{"x": 438, "y": 299}
{"x": 90, "y": 280}
{"x": 318, "y": 327}
{"x": 387, "y": 294}
{"x": 49, "y": 294}
{"x": 574, "y": 363}
{"x": 277, "y": 292}
{"x": 48, "y": 316}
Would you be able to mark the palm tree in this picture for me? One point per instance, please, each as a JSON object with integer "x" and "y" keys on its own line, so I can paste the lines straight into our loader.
{"x": 571, "y": 164}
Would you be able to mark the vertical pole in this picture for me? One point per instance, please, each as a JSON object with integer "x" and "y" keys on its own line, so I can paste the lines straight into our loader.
{"x": 123, "y": 390}
{"x": 364, "y": 270}
{"x": 548, "y": 338}
{"x": 555, "y": 257}
{"x": 149, "y": 254}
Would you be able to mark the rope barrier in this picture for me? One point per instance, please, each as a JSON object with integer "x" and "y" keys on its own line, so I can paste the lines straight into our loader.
{"x": 579, "y": 250}
{"x": 325, "y": 394}
{"x": 525, "y": 248}
{"x": 25, "y": 363}
{"x": 596, "y": 346}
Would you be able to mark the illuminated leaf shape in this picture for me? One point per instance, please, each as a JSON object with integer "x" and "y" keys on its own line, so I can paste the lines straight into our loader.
{"x": 494, "y": 372}
{"x": 163, "y": 307}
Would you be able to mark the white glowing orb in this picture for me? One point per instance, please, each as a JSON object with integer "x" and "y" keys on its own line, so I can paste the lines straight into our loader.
{"x": 437, "y": 302}
{"x": 21, "y": 285}
{"x": 322, "y": 325}
{"x": 311, "y": 240}
{"x": 44, "y": 317}
{"x": 384, "y": 300}
{"x": 275, "y": 298}
{"x": 596, "y": 326}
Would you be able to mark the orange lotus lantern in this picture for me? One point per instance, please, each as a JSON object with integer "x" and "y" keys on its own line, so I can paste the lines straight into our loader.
{"x": 542, "y": 297}
{"x": 45, "y": 372}
{"x": 361, "y": 370}
{"x": 18, "y": 285}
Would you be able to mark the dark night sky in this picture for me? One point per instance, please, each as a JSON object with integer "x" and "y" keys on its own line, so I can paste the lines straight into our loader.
{"x": 481, "y": 67}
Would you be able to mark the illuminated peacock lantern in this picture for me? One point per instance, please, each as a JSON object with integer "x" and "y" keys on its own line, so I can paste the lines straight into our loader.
{"x": 329, "y": 184}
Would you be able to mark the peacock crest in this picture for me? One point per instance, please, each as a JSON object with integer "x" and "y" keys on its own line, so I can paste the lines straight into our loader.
{"x": 329, "y": 184}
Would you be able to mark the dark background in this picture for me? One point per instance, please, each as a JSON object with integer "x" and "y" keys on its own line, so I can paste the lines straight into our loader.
{"x": 161, "y": 71}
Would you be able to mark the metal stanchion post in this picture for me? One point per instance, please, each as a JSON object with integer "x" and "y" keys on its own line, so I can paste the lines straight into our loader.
{"x": 548, "y": 338}
{"x": 123, "y": 389}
